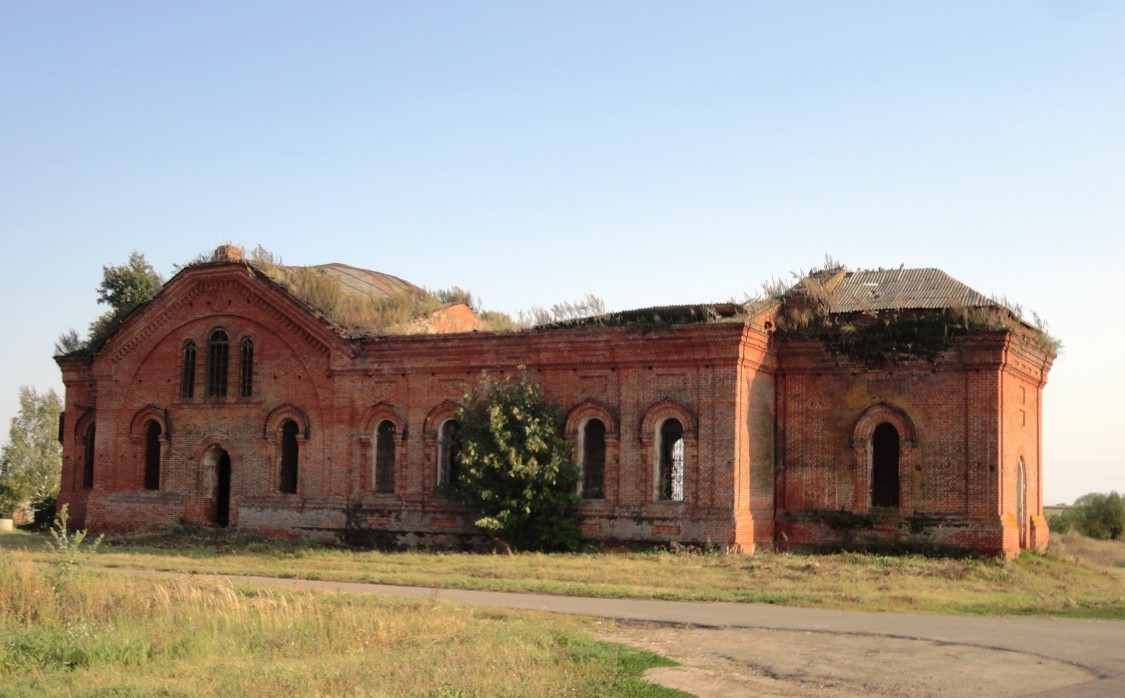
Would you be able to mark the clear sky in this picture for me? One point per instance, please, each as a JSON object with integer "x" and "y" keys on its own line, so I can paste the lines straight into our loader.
{"x": 532, "y": 152}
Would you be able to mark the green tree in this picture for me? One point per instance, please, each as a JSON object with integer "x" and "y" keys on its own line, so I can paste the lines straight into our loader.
{"x": 123, "y": 288}
{"x": 31, "y": 461}
{"x": 1094, "y": 515}
{"x": 514, "y": 465}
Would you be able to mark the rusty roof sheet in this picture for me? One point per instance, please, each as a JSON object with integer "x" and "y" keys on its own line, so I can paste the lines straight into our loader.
{"x": 903, "y": 289}
{"x": 366, "y": 282}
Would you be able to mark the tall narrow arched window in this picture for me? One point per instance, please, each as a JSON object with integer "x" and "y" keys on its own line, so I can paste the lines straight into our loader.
{"x": 246, "y": 368}
{"x": 152, "y": 455}
{"x": 187, "y": 370}
{"x": 289, "y": 453}
{"x": 1021, "y": 502}
{"x": 88, "y": 458}
{"x": 671, "y": 460}
{"x": 449, "y": 468}
{"x": 385, "y": 457}
{"x": 884, "y": 466}
{"x": 593, "y": 459}
{"x": 218, "y": 350}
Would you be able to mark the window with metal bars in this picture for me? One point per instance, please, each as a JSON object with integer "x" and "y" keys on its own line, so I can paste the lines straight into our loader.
{"x": 246, "y": 368}
{"x": 187, "y": 370}
{"x": 593, "y": 459}
{"x": 385, "y": 457}
{"x": 218, "y": 350}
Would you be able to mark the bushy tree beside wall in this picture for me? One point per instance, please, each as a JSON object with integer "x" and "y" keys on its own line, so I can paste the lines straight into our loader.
{"x": 515, "y": 469}
{"x": 1094, "y": 515}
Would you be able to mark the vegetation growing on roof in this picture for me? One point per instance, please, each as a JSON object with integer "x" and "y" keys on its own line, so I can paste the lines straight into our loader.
{"x": 123, "y": 288}
{"x": 881, "y": 337}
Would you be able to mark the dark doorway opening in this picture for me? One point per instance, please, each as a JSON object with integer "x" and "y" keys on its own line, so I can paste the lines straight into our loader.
{"x": 222, "y": 491}
{"x": 884, "y": 466}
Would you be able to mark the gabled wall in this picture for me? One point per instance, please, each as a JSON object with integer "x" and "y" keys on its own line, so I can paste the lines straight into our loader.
{"x": 339, "y": 391}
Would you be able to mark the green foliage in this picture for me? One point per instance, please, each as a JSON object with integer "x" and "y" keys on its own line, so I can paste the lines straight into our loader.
{"x": 65, "y": 543}
{"x": 31, "y": 461}
{"x": 123, "y": 289}
{"x": 515, "y": 470}
{"x": 66, "y": 547}
{"x": 1093, "y": 515}
{"x": 68, "y": 343}
{"x": 127, "y": 286}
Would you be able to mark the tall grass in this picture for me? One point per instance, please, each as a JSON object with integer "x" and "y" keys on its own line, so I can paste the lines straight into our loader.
{"x": 104, "y": 633}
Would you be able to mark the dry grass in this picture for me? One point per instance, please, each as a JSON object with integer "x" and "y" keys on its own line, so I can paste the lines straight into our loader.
{"x": 1079, "y": 549}
{"x": 1078, "y": 578}
{"x": 100, "y": 632}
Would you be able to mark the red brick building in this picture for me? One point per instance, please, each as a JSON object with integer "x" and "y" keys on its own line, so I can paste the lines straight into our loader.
{"x": 858, "y": 407}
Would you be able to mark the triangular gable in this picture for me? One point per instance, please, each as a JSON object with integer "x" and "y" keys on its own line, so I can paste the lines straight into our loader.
{"x": 268, "y": 298}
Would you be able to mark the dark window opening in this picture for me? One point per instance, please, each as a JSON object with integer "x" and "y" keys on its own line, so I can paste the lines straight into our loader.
{"x": 218, "y": 349}
{"x": 88, "y": 458}
{"x": 449, "y": 465}
{"x": 289, "y": 452}
{"x": 246, "y": 369}
{"x": 593, "y": 459}
{"x": 152, "y": 455}
{"x": 385, "y": 457}
{"x": 884, "y": 466}
{"x": 187, "y": 371}
{"x": 672, "y": 460}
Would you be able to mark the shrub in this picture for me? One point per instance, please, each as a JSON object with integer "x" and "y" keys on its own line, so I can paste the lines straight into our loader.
{"x": 1093, "y": 515}
{"x": 514, "y": 466}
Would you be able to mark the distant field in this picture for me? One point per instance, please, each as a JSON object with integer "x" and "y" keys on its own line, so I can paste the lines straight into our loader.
{"x": 1079, "y": 577}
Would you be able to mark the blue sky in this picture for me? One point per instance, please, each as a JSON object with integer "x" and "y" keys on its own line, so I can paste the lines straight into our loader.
{"x": 647, "y": 152}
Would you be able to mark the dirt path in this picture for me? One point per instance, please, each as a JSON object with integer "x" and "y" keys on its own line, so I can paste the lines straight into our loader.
{"x": 728, "y": 649}
{"x": 728, "y": 662}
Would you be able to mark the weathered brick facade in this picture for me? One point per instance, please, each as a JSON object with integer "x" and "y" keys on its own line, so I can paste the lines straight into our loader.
{"x": 777, "y": 433}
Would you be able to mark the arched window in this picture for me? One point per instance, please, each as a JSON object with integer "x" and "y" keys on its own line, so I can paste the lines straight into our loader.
{"x": 671, "y": 460}
{"x": 1021, "y": 502}
{"x": 187, "y": 371}
{"x": 218, "y": 349}
{"x": 289, "y": 453}
{"x": 449, "y": 469}
{"x": 246, "y": 368}
{"x": 593, "y": 459}
{"x": 152, "y": 455}
{"x": 385, "y": 457}
{"x": 88, "y": 458}
{"x": 884, "y": 466}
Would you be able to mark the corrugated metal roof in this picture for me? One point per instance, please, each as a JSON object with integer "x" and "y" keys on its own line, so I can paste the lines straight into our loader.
{"x": 366, "y": 282}
{"x": 903, "y": 289}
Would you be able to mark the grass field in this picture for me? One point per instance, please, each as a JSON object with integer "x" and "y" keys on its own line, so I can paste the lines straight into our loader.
{"x": 83, "y": 625}
{"x": 90, "y": 631}
{"x": 1079, "y": 577}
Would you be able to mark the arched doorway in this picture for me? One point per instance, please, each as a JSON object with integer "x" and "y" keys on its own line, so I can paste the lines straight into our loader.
{"x": 216, "y": 483}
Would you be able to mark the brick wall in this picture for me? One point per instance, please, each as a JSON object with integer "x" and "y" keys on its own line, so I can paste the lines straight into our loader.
{"x": 776, "y": 432}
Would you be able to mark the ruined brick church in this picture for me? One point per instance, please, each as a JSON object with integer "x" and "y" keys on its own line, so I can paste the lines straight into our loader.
{"x": 857, "y": 407}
